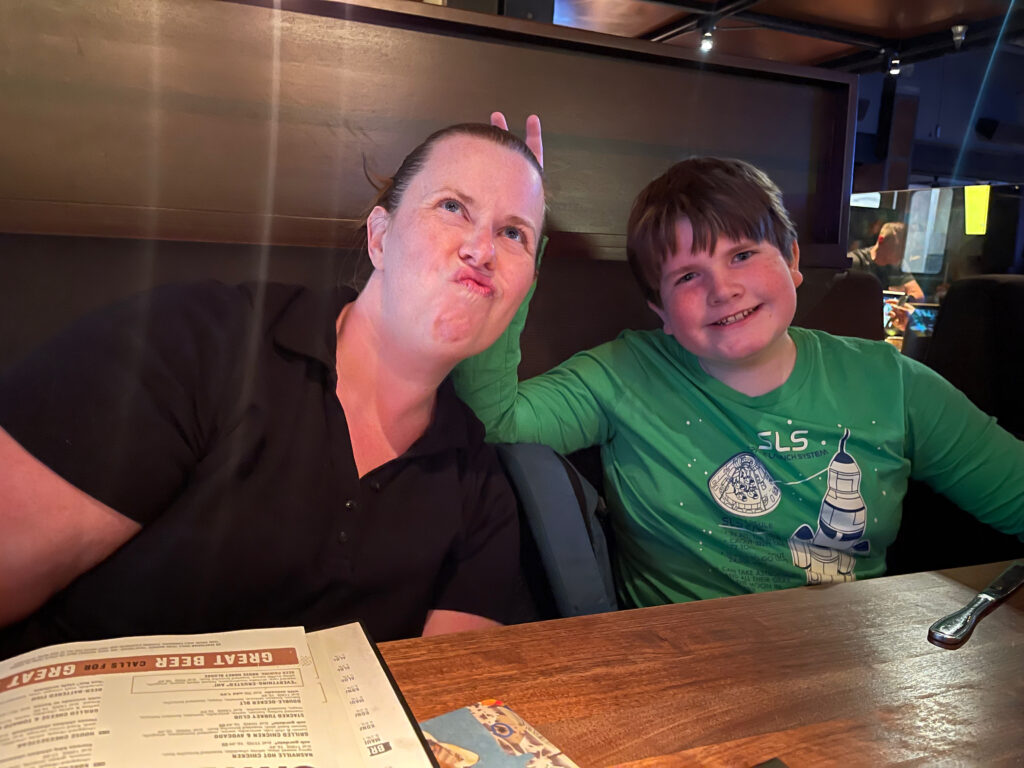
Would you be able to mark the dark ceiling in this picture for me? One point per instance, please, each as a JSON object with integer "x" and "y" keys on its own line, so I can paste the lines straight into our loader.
{"x": 851, "y": 35}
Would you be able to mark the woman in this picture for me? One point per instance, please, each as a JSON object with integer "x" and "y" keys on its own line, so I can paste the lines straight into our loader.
{"x": 205, "y": 458}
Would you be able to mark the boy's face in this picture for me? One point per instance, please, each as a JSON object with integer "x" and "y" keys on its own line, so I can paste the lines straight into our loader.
{"x": 730, "y": 307}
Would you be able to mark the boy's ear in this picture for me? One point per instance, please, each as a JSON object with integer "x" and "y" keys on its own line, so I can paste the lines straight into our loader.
{"x": 794, "y": 266}
{"x": 376, "y": 234}
{"x": 663, "y": 315}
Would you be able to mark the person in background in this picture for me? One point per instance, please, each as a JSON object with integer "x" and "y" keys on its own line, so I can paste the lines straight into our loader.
{"x": 741, "y": 454}
{"x": 884, "y": 260}
{"x": 210, "y": 457}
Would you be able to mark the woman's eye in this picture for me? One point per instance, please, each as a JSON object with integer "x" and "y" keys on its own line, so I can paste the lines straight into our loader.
{"x": 452, "y": 206}
{"x": 514, "y": 233}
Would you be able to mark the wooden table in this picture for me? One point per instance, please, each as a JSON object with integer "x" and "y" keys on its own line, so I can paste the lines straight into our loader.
{"x": 837, "y": 675}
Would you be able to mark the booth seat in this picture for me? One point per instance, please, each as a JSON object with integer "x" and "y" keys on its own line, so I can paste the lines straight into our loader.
{"x": 978, "y": 345}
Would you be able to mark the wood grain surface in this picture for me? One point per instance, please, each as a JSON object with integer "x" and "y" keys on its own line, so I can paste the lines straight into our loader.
{"x": 836, "y": 675}
{"x": 219, "y": 122}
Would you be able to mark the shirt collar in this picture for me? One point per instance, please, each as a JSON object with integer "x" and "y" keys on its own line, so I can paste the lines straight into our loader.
{"x": 306, "y": 326}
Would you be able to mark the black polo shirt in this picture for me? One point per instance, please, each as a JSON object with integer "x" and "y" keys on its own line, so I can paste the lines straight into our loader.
{"x": 208, "y": 413}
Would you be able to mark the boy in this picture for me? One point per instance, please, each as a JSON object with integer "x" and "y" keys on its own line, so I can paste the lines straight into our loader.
{"x": 741, "y": 454}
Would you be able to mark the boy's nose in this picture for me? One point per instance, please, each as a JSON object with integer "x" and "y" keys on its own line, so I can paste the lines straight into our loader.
{"x": 723, "y": 288}
{"x": 478, "y": 248}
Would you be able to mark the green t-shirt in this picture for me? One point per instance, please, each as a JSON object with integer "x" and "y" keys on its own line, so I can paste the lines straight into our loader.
{"x": 715, "y": 493}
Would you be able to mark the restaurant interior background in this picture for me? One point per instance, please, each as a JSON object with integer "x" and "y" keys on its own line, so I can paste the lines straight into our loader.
{"x": 151, "y": 141}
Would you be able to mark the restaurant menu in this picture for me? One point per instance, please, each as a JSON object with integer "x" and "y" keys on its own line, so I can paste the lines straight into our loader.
{"x": 264, "y": 697}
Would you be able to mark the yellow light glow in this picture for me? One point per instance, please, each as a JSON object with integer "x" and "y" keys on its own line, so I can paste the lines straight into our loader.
{"x": 976, "y": 209}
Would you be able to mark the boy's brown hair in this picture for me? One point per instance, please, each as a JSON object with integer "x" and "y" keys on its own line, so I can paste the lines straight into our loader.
{"x": 718, "y": 196}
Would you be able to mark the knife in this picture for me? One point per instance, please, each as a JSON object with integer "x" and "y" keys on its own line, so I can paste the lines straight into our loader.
{"x": 954, "y": 630}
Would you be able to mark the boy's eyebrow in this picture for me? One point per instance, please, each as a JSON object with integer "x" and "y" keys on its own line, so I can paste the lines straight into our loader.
{"x": 681, "y": 268}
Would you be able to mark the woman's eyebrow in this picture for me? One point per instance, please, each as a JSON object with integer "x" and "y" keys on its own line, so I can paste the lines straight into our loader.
{"x": 455, "y": 193}
{"x": 470, "y": 200}
{"x": 520, "y": 221}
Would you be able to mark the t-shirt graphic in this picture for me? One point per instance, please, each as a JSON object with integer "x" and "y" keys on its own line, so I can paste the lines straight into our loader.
{"x": 827, "y": 554}
{"x": 743, "y": 486}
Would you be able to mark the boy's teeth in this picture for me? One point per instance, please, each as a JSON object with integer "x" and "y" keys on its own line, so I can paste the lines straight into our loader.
{"x": 734, "y": 318}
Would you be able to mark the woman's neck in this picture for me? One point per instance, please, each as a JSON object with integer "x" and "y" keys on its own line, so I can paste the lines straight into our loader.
{"x": 388, "y": 393}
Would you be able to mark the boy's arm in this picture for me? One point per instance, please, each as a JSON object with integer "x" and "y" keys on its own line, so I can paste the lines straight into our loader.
{"x": 558, "y": 408}
{"x": 962, "y": 452}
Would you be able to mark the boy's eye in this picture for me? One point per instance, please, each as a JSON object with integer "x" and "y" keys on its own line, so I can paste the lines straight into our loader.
{"x": 685, "y": 278}
{"x": 743, "y": 255}
{"x": 452, "y": 206}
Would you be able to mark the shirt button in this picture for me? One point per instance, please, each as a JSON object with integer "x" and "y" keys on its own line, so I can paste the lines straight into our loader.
{"x": 342, "y": 536}
{"x": 350, "y": 504}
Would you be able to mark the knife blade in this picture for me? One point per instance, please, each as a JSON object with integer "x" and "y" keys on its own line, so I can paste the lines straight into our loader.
{"x": 954, "y": 630}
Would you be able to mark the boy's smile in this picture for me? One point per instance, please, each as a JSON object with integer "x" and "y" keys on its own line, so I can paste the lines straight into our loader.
{"x": 731, "y": 308}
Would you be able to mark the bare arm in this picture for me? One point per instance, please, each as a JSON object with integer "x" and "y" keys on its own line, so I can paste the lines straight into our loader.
{"x": 50, "y": 532}
{"x": 442, "y": 622}
{"x": 912, "y": 288}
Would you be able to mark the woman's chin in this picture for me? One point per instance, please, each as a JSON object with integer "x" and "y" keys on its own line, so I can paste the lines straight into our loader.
{"x": 456, "y": 331}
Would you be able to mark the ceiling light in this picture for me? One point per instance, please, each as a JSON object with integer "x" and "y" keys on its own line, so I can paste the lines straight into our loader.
{"x": 894, "y": 65}
{"x": 707, "y": 42}
{"x": 959, "y": 33}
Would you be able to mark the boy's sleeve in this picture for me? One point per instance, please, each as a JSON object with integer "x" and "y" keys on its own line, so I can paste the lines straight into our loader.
{"x": 559, "y": 408}
{"x": 962, "y": 452}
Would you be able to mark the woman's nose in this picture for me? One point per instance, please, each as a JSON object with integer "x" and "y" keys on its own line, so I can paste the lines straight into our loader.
{"x": 478, "y": 248}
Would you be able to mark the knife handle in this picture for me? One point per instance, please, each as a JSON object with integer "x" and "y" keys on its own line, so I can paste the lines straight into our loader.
{"x": 954, "y": 630}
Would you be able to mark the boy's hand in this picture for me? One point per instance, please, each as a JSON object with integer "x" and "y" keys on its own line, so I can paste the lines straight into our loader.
{"x": 534, "y": 140}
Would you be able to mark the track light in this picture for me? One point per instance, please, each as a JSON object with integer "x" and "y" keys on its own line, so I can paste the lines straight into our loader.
{"x": 894, "y": 65}
{"x": 707, "y": 42}
{"x": 959, "y": 33}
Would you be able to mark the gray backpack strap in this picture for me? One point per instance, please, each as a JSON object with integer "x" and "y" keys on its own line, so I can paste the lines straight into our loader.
{"x": 562, "y": 511}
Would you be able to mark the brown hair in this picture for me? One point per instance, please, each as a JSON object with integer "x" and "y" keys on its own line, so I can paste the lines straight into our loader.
{"x": 718, "y": 196}
{"x": 895, "y": 230}
{"x": 390, "y": 191}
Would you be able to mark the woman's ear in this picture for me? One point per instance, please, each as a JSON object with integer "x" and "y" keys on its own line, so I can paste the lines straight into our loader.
{"x": 376, "y": 234}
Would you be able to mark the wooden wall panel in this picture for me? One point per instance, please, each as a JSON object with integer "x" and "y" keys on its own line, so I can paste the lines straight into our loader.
{"x": 222, "y": 121}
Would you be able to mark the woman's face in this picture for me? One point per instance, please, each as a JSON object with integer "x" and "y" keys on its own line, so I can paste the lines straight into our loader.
{"x": 457, "y": 256}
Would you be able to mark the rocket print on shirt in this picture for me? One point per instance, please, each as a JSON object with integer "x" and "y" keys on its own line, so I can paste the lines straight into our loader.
{"x": 744, "y": 487}
{"x": 827, "y": 554}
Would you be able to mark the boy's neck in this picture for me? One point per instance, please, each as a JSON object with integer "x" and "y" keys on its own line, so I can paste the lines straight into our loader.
{"x": 769, "y": 370}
